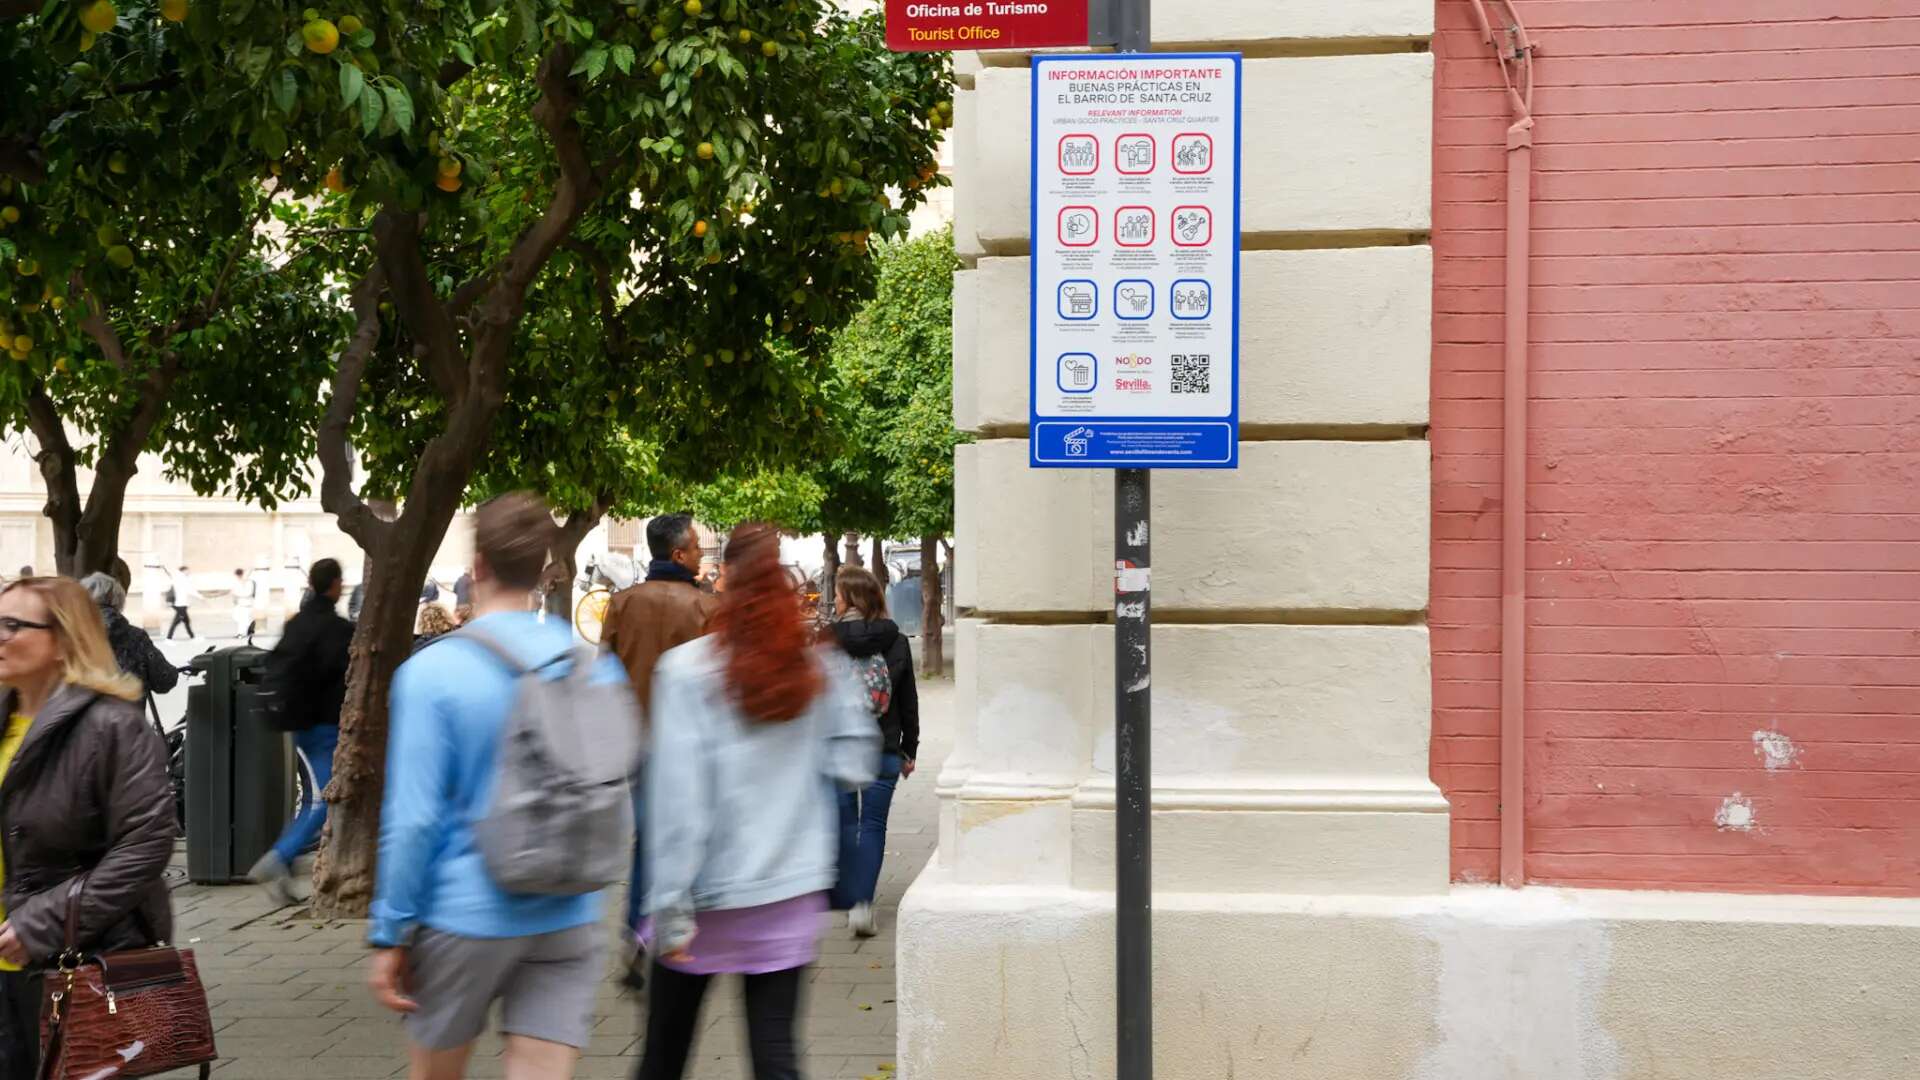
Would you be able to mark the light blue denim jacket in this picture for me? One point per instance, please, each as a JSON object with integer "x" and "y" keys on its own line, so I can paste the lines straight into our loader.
{"x": 742, "y": 813}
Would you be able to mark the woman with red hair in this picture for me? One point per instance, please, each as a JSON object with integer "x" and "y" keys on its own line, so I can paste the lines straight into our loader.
{"x": 752, "y": 727}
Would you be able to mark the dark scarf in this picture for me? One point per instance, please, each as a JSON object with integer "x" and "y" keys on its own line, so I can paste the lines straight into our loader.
{"x": 668, "y": 570}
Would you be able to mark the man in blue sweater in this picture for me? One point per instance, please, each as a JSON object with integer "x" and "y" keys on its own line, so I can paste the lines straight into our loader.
{"x": 449, "y": 941}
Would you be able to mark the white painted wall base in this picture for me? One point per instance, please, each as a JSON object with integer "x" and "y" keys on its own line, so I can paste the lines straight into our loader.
{"x": 1016, "y": 983}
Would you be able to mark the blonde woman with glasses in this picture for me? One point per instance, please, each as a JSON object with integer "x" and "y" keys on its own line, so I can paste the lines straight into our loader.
{"x": 83, "y": 794}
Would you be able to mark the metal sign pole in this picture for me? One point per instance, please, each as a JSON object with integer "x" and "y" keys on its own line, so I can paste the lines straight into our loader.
{"x": 1133, "y": 713}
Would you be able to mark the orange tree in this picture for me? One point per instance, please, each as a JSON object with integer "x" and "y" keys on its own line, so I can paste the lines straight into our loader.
{"x": 136, "y": 281}
{"x": 564, "y": 220}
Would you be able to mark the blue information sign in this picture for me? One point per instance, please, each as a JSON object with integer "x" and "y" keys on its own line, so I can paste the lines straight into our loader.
{"x": 1135, "y": 336}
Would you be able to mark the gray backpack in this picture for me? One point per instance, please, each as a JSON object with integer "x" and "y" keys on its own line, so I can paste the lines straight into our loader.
{"x": 561, "y": 819}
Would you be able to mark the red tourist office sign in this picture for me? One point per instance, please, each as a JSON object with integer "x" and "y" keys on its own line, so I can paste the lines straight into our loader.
{"x": 944, "y": 25}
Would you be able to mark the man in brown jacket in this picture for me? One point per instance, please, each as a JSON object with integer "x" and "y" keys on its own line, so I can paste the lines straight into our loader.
{"x": 665, "y": 611}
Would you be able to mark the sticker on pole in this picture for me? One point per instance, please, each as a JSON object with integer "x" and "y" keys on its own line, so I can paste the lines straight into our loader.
{"x": 1135, "y": 330}
{"x": 945, "y": 25}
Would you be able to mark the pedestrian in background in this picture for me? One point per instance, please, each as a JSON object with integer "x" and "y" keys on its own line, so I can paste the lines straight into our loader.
{"x": 434, "y": 621}
{"x": 663, "y": 612}
{"x": 749, "y": 725}
{"x": 450, "y": 941}
{"x": 84, "y": 803}
{"x": 883, "y": 662}
{"x": 181, "y": 596}
{"x": 133, "y": 648}
{"x": 307, "y": 673}
{"x": 246, "y": 592}
{"x": 463, "y": 589}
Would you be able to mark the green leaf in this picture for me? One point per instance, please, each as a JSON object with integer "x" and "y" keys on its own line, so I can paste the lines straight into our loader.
{"x": 372, "y": 110}
{"x": 593, "y": 62}
{"x": 253, "y": 62}
{"x": 363, "y": 38}
{"x": 399, "y": 106}
{"x": 286, "y": 90}
{"x": 351, "y": 83}
{"x": 464, "y": 52}
{"x": 623, "y": 58}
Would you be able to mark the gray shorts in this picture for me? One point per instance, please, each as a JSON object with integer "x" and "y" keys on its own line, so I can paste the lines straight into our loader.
{"x": 545, "y": 985}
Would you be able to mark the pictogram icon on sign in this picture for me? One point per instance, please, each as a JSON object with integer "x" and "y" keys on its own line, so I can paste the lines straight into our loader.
{"x": 1192, "y": 226}
{"x": 1079, "y": 155}
{"x": 1133, "y": 226}
{"x": 1192, "y": 299}
{"x": 1079, "y": 226}
{"x": 1079, "y": 300}
{"x": 1078, "y": 373}
{"x": 1133, "y": 299}
{"x": 1134, "y": 155}
{"x": 1193, "y": 154}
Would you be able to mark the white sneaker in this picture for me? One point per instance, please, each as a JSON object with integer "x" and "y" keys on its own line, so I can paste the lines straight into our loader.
{"x": 860, "y": 920}
{"x": 272, "y": 875}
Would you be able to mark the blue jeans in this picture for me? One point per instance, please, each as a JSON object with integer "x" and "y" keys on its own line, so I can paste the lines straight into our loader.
{"x": 637, "y": 881}
{"x": 315, "y": 746}
{"x": 863, "y": 835}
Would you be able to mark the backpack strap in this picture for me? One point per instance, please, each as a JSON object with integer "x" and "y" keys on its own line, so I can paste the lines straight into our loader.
{"x": 505, "y": 655}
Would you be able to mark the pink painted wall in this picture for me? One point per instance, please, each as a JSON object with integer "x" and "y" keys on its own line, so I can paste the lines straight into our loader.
{"x": 1724, "y": 553}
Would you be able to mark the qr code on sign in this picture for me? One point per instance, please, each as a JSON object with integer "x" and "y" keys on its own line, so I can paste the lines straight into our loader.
{"x": 1192, "y": 374}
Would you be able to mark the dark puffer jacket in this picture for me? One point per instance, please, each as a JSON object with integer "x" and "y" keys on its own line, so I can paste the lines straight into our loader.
{"x": 862, "y": 638}
{"x": 137, "y": 655}
{"x": 87, "y": 794}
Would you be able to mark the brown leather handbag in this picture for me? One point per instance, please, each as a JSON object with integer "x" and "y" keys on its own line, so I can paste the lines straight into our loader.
{"x": 123, "y": 1014}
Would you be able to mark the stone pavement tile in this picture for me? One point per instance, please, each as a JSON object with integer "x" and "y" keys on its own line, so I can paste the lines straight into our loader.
{"x": 269, "y": 1046}
{"x": 277, "y": 1027}
{"x": 345, "y": 1068}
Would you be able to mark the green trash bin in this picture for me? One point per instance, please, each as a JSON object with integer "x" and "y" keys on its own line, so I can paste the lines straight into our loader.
{"x": 240, "y": 772}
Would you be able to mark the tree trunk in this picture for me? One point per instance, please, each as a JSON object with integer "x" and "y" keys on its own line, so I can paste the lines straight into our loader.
{"x": 878, "y": 564}
{"x": 59, "y": 471}
{"x": 98, "y": 537}
{"x": 344, "y": 873}
{"x": 933, "y": 609}
{"x": 563, "y": 563}
{"x": 852, "y": 557}
{"x": 829, "y": 570}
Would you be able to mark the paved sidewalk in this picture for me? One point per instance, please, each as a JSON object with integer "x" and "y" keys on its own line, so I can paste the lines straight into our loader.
{"x": 288, "y": 1000}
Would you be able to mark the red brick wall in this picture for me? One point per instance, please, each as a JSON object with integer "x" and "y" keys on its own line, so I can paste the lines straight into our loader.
{"x": 1724, "y": 541}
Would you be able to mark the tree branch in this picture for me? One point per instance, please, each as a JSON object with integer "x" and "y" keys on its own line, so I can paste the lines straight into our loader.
{"x": 567, "y": 538}
{"x": 97, "y": 326}
{"x": 603, "y": 274}
{"x": 579, "y": 186}
{"x": 337, "y": 496}
{"x": 396, "y": 238}
{"x": 209, "y": 307}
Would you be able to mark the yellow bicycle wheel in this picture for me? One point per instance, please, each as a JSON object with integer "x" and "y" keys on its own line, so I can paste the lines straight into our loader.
{"x": 590, "y": 614}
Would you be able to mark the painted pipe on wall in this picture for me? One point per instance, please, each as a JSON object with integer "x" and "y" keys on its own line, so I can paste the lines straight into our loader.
{"x": 1514, "y": 49}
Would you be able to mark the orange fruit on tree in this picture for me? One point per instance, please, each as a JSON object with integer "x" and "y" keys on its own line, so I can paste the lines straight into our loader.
{"x": 336, "y": 181}
{"x": 447, "y": 183}
{"x": 10, "y": 214}
{"x": 705, "y": 151}
{"x": 321, "y": 36}
{"x": 121, "y": 256}
{"x": 350, "y": 24}
{"x": 692, "y": 8}
{"x": 173, "y": 10}
{"x": 769, "y": 49}
{"x": 699, "y": 228}
{"x": 449, "y": 167}
{"x": 99, "y": 17}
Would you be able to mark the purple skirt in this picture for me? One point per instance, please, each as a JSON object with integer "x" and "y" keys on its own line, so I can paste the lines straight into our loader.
{"x": 752, "y": 941}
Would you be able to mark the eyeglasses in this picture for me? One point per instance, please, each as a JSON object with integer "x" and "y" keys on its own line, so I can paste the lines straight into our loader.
{"x": 10, "y": 628}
